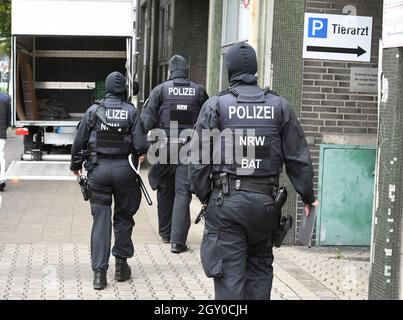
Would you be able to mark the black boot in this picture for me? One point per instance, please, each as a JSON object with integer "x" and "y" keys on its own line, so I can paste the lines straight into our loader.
{"x": 178, "y": 248}
{"x": 99, "y": 279}
{"x": 123, "y": 271}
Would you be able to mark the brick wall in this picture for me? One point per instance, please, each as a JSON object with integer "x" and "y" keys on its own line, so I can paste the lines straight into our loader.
{"x": 190, "y": 35}
{"x": 328, "y": 106}
{"x": 199, "y": 41}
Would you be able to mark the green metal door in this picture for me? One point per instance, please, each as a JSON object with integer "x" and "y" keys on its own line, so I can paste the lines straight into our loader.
{"x": 346, "y": 188}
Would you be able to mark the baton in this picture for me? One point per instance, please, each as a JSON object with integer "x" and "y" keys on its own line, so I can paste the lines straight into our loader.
{"x": 142, "y": 186}
{"x": 201, "y": 213}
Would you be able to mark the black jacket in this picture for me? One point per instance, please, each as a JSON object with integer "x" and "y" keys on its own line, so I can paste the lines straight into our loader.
{"x": 294, "y": 147}
{"x": 140, "y": 143}
{"x": 5, "y": 114}
{"x": 150, "y": 114}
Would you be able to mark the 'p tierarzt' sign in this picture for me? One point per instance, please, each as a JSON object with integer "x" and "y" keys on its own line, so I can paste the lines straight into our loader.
{"x": 337, "y": 37}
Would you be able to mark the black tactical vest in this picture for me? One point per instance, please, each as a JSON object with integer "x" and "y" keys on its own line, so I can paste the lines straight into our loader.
{"x": 114, "y": 136}
{"x": 250, "y": 142}
{"x": 180, "y": 103}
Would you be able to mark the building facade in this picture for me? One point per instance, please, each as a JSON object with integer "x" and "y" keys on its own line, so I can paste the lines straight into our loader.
{"x": 321, "y": 92}
{"x": 165, "y": 28}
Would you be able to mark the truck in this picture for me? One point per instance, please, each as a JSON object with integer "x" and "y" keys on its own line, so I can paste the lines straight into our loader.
{"x": 62, "y": 51}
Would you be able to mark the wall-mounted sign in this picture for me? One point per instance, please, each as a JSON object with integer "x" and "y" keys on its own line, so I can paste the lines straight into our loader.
{"x": 337, "y": 37}
{"x": 392, "y": 23}
{"x": 364, "y": 80}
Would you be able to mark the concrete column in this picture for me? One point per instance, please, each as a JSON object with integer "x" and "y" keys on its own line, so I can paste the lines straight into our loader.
{"x": 386, "y": 252}
{"x": 267, "y": 75}
{"x": 214, "y": 46}
{"x": 288, "y": 23}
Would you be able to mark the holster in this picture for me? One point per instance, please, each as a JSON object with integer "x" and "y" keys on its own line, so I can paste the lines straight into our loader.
{"x": 285, "y": 222}
{"x": 280, "y": 198}
{"x": 83, "y": 182}
{"x": 285, "y": 225}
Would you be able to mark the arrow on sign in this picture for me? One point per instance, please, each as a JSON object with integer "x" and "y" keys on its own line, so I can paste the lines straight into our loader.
{"x": 359, "y": 51}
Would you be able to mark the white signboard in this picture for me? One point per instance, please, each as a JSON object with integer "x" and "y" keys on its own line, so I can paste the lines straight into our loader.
{"x": 337, "y": 37}
{"x": 392, "y": 23}
{"x": 72, "y": 17}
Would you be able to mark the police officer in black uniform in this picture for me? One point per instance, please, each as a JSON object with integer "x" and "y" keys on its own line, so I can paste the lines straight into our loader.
{"x": 5, "y": 121}
{"x": 111, "y": 130}
{"x": 175, "y": 102}
{"x": 240, "y": 220}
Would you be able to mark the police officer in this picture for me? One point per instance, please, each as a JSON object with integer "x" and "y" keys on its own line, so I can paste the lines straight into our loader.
{"x": 111, "y": 130}
{"x": 5, "y": 121}
{"x": 176, "y": 102}
{"x": 241, "y": 219}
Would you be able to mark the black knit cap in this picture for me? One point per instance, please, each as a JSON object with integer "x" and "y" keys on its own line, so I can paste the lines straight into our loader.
{"x": 241, "y": 62}
{"x": 115, "y": 83}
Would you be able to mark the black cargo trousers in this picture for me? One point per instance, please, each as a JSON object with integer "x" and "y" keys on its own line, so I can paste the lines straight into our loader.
{"x": 237, "y": 245}
{"x": 174, "y": 197}
{"x": 112, "y": 178}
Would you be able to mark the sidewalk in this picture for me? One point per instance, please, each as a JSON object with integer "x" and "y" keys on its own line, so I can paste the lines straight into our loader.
{"x": 62, "y": 271}
{"x": 44, "y": 254}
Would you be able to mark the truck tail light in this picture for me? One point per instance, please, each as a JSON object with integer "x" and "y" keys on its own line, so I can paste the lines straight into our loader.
{"x": 22, "y": 132}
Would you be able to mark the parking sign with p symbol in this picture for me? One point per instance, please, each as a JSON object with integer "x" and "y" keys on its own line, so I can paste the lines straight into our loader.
{"x": 317, "y": 28}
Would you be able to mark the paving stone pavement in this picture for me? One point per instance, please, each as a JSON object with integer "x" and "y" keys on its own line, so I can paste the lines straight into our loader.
{"x": 44, "y": 254}
{"x": 342, "y": 270}
{"x": 40, "y": 271}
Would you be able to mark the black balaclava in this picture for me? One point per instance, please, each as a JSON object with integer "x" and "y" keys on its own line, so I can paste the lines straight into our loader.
{"x": 241, "y": 62}
{"x": 178, "y": 68}
{"x": 115, "y": 84}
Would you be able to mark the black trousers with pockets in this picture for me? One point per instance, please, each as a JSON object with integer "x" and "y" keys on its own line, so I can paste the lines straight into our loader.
{"x": 237, "y": 245}
{"x": 112, "y": 179}
{"x": 174, "y": 197}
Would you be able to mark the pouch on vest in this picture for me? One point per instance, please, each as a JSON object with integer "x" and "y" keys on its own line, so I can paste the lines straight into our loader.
{"x": 184, "y": 118}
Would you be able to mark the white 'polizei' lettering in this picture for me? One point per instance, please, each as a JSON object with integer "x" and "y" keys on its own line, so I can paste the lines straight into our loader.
{"x": 251, "y": 112}
{"x": 114, "y": 114}
{"x": 182, "y": 91}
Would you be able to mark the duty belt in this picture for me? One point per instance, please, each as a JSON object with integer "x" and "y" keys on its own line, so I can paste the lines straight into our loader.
{"x": 174, "y": 140}
{"x": 249, "y": 184}
{"x": 112, "y": 156}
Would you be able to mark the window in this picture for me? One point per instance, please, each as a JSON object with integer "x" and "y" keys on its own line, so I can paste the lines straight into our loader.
{"x": 236, "y": 28}
{"x": 237, "y": 21}
{"x": 165, "y": 40}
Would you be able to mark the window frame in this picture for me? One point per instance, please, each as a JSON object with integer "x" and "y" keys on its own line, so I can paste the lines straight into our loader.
{"x": 224, "y": 24}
